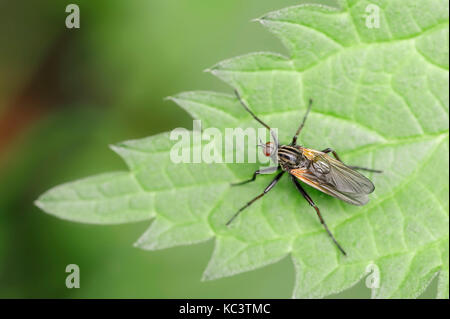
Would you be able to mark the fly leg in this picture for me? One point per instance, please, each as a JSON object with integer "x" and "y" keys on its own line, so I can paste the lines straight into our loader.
{"x": 268, "y": 188}
{"x": 294, "y": 139}
{"x": 267, "y": 170}
{"x": 322, "y": 221}
{"x": 328, "y": 150}
{"x": 275, "y": 139}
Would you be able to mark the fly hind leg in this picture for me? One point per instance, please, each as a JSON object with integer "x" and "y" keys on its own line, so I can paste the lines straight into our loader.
{"x": 322, "y": 221}
{"x": 330, "y": 150}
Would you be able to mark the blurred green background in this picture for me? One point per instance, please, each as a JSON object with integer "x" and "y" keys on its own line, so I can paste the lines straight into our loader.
{"x": 66, "y": 94}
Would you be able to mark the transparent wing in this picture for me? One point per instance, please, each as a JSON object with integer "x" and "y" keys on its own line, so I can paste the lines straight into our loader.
{"x": 340, "y": 176}
{"x": 343, "y": 188}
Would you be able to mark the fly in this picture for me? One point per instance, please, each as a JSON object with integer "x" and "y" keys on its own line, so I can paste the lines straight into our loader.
{"x": 315, "y": 168}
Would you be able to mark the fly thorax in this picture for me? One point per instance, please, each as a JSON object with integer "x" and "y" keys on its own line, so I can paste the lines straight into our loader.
{"x": 289, "y": 157}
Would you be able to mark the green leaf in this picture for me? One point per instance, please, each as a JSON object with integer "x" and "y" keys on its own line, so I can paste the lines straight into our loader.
{"x": 380, "y": 99}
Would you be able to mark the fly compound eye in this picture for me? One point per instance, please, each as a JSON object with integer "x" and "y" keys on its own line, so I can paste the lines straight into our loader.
{"x": 268, "y": 149}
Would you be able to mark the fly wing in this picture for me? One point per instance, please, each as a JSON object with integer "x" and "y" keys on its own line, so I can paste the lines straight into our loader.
{"x": 322, "y": 185}
{"x": 339, "y": 176}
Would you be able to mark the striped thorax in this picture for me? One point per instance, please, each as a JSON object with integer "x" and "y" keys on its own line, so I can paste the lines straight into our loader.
{"x": 290, "y": 157}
